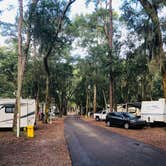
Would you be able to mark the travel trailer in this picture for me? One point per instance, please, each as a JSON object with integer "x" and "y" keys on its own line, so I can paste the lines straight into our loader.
{"x": 133, "y": 108}
{"x": 7, "y": 108}
{"x": 154, "y": 111}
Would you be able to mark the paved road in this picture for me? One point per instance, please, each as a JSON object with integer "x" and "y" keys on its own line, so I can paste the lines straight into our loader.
{"x": 94, "y": 146}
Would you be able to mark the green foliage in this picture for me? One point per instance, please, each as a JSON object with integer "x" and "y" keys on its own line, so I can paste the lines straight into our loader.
{"x": 70, "y": 77}
{"x": 138, "y": 21}
{"x": 157, "y": 88}
{"x": 133, "y": 81}
{"x": 47, "y": 17}
{"x": 61, "y": 84}
{"x": 8, "y": 68}
{"x": 34, "y": 80}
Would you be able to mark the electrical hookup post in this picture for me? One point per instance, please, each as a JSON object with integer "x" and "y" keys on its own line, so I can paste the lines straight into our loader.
{"x": 18, "y": 125}
{"x": 50, "y": 118}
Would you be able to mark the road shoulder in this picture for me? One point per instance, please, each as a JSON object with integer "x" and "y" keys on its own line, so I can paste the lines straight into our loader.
{"x": 48, "y": 147}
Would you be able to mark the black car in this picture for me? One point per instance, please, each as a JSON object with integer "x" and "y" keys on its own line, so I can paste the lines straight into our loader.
{"x": 124, "y": 119}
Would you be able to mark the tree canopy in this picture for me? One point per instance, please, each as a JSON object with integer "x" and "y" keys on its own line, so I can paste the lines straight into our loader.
{"x": 54, "y": 75}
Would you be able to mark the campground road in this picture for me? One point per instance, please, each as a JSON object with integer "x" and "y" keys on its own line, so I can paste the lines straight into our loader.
{"x": 95, "y": 146}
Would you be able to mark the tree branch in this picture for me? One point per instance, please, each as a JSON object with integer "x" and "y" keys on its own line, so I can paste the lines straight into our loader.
{"x": 152, "y": 13}
{"x": 28, "y": 38}
{"x": 61, "y": 18}
{"x": 59, "y": 27}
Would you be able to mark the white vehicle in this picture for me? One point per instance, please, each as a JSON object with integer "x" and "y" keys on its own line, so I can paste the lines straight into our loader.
{"x": 154, "y": 111}
{"x": 101, "y": 115}
{"x": 7, "y": 108}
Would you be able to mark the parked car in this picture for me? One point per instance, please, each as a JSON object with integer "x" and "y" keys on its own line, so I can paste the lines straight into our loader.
{"x": 100, "y": 115}
{"x": 124, "y": 119}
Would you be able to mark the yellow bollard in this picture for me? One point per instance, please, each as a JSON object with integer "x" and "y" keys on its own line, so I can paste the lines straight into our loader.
{"x": 30, "y": 131}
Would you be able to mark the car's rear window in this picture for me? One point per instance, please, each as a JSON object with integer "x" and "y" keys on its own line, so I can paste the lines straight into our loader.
{"x": 128, "y": 115}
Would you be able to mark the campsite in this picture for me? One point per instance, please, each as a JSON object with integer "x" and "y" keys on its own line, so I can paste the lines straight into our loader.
{"x": 82, "y": 82}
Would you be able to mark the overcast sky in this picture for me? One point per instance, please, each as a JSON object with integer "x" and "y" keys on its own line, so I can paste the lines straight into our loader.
{"x": 78, "y": 7}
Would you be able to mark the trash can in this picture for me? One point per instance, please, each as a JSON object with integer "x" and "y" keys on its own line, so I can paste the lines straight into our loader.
{"x": 30, "y": 131}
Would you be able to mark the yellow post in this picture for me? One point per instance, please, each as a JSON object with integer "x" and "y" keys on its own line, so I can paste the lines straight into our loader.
{"x": 30, "y": 131}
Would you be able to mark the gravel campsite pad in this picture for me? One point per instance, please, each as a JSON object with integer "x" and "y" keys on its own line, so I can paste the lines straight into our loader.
{"x": 48, "y": 147}
{"x": 155, "y": 136}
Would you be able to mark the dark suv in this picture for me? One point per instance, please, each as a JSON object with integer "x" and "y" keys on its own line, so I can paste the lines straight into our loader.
{"x": 124, "y": 119}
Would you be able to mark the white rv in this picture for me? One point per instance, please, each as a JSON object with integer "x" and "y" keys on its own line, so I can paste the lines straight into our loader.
{"x": 154, "y": 111}
{"x": 7, "y": 108}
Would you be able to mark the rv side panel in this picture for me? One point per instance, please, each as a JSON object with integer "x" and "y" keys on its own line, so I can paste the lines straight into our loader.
{"x": 154, "y": 111}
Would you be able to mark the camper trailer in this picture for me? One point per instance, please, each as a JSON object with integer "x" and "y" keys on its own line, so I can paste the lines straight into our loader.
{"x": 7, "y": 108}
{"x": 133, "y": 108}
{"x": 154, "y": 111}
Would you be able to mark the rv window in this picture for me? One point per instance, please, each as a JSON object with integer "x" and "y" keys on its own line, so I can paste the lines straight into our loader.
{"x": 9, "y": 109}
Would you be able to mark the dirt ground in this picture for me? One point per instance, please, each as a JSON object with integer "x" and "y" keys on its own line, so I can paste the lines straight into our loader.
{"x": 48, "y": 147}
{"x": 155, "y": 136}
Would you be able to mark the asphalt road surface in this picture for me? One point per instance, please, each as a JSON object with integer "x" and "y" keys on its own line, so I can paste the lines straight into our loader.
{"x": 95, "y": 146}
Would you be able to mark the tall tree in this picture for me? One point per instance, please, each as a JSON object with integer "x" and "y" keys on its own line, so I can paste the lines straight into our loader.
{"x": 151, "y": 8}
{"x": 20, "y": 69}
{"x": 22, "y": 58}
{"x": 93, "y": 31}
{"x": 108, "y": 28}
{"x": 111, "y": 49}
{"x": 142, "y": 29}
{"x": 51, "y": 16}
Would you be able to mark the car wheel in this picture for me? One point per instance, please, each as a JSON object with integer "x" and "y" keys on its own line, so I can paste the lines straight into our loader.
{"x": 97, "y": 118}
{"x": 126, "y": 125}
{"x": 108, "y": 123}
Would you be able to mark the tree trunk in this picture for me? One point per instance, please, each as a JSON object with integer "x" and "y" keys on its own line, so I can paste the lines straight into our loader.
{"x": 62, "y": 103}
{"x": 17, "y": 112}
{"x": 94, "y": 98}
{"x": 47, "y": 100}
{"x": 105, "y": 101}
{"x": 65, "y": 106}
{"x": 164, "y": 83}
{"x": 47, "y": 94}
{"x": 115, "y": 98}
{"x": 152, "y": 12}
{"x": 111, "y": 94}
{"x": 22, "y": 59}
{"x": 110, "y": 46}
{"x": 37, "y": 105}
{"x": 87, "y": 102}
